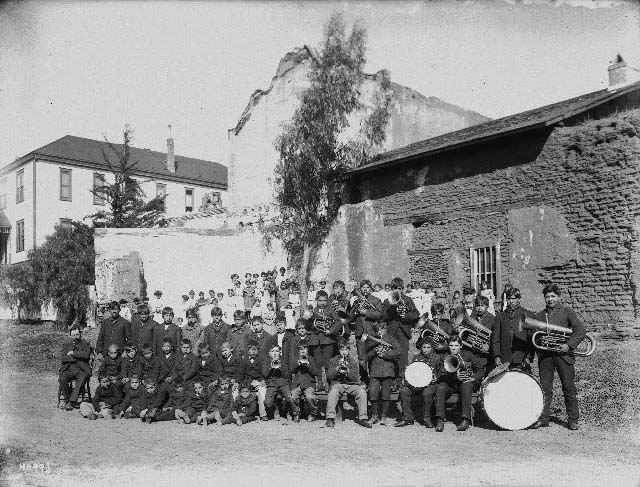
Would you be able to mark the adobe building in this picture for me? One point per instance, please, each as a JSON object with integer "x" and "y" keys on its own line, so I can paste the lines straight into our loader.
{"x": 548, "y": 194}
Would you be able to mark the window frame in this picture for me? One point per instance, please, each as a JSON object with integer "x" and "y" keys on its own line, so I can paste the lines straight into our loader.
{"x": 477, "y": 275}
{"x": 193, "y": 198}
{"x": 65, "y": 222}
{"x": 20, "y": 236}
{"x": 98, "y": 199}
{"x": 63, "y": 171}
{"x": 20, "y": 186}
{"x": 161, "y": 190}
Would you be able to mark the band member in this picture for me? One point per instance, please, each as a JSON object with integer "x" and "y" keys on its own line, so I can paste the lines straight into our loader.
{"x": 345, "y": 378}
{"x": 563, "y": 361}
{"x": 463, "y": 371}
{"x": 437, "y": 331}
{"x": 75, "y": 366}
{"x": 339, "y": 300}
{"x": 401, "y": 315}
{"x": 367, "y": 312}
{"x": 325, "y": 328}
{"x": 433, "y": 360}
{"x": 486, "y": 319}
{"x": 382, "y": 369}
{"x": 508, "y": 344}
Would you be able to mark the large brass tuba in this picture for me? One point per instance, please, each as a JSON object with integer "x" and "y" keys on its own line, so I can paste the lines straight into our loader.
{"x": 472, "y": 333}
{"x": 432, "y": 331}
{"x": 551, "y": 337}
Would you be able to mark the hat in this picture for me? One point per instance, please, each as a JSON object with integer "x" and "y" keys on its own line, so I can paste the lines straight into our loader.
{"x": 192, "y": 292}
{"x": 158, "y": 293}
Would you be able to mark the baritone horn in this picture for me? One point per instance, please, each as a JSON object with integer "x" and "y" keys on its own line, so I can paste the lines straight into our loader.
{"x": 473, "y": 334}
{"x": 552, "y": 337}
{"x": 432, "y": 331}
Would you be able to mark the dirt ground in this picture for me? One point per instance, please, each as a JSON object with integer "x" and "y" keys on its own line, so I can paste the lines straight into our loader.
{"x": 70, "y": 450}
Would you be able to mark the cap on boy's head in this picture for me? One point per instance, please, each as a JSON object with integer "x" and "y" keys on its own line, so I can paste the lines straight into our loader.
{"x": 178, "y": 381}
{"x": 114, "y": 305}
{"x": 185, "y": 341}
{"x": 158, "y": 293}
{"x": 185, "y": 296}
{"x": 192, "y": 293}
{"x": 134, "y": 377}
{"x": 344, "y": 344}
{"x": 145, "y": 299}
{"x": 191, "y": 313}
{"x": 203, "y": 347}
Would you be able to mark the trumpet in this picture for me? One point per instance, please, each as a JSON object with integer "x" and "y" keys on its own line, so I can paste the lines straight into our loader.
{"x": 432, "y": 332}
{"x": 382, "y": 343}
{"x": 473, "y": 334}
{"x": 552, "y": 337}
{"x": 396, "y": 300}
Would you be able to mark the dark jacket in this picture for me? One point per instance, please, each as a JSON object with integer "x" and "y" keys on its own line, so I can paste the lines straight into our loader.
{"x": 178, "y": 400}
{"x": 507, "y": 342}
{"x": 275, "y": 377}
{"x": 215, "y": 336}
{"x": 231, "y": 368}
{"x": 473, "y": 362}
{"x": 133, "y": 397}
{"x": 385, "y": 365}
{"x": 220, "y": 401}
{"x": 159, "y": 334}
{"x": 566, "y": 317}
{"x": 366, "y": 323}
{"x": 352, "y": 376}
{"x": 237, "y": 338}
{"x": 142, "y": 333}
{"x": 251, "y": 371}
{"x": 113, "y": 331}
{"x": 290, "y": 347}
{"x": 246, "y": 407}
{"x": 185, "y": 366}
{"x": 304, "y": 375}
{"x": 164, "y": 366}
{"x": 154, "y": 400}
{"x": 199, "y": 402}
{"x": 132, "y": 366}
{"x": 148, "y": 367}
{"x": 208, "y": 369}
{"x": 111, "y": 366}
{"x": 79, "y": 361}
{"x": 397, "y": 325}
{"x": 335, "y": 328}
{"x": 109, "y": 395}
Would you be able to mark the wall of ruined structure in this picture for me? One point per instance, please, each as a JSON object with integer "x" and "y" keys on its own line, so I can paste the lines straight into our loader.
{"x": 135, "y": 261}
{"x": 562, "y": 204}
{"x": 253, "y": 157}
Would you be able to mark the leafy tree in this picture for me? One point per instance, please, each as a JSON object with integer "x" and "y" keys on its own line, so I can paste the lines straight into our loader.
{"x": 322, "y": 141}
{"x": 125, "y": 203}
{"x": 19, "y": 289}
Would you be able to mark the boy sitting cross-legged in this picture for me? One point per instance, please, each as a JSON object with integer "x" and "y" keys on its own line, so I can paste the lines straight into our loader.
{"x": 105, "y": 398}
{"x": 131, "y": 405}
{"x": 198, "y": 401}
{"x": 219, "y": 405}
{"x": 154, "y": 398}
{"x": 244, "y": 408}
{"x": 177, "y": 403}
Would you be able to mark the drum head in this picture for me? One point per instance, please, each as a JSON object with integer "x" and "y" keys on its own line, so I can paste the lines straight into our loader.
{"x": 418, "y": 374}
{"x": 513, "y": 400}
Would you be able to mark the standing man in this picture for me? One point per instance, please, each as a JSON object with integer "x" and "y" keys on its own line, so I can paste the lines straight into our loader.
{"x": 113, "y": 330}
{"x": 75, "y": 366}
{"x": 142, "y": 327}
{"x": 561, "y": 361}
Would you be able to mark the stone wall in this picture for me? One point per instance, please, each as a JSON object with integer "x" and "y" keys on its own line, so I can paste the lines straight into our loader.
{"x": 130, "y": 261}
{"x": 563, "y": 204}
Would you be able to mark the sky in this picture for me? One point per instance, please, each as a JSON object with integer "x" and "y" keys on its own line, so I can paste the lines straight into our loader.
{"x": 86, "y": 68}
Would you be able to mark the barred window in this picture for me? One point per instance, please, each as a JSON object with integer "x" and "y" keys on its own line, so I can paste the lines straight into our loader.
{"x": 188, "y": 199}
{"x": 485, "y": 266}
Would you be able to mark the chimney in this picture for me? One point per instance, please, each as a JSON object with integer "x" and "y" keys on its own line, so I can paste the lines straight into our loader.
{"x": 621, "y": 74}
{"x": 171, "y": 156}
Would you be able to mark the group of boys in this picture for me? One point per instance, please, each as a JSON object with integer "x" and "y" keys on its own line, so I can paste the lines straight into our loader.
{"x": 233, "y": 373}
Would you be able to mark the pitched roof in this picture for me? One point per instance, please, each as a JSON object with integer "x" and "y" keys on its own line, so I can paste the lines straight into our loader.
{"x": 90, "y": 152}
{"x": 536, "y": 118}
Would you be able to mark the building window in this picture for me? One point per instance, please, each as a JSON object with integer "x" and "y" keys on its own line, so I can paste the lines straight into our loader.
{"x": 65, "y": 223}
{"x": 188, "y": 199}
{"x": 485, "y": 266}
{"x": 20, "y": 186}
{"x": 3, "y": 193}
{"x": 19, "y": 235}
{"x": 161, "y": 191}
{"x": 65, "y": 184}
{"x": 98, "y": 182}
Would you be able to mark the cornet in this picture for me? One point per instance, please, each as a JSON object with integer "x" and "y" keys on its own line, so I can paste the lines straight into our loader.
{"x": 473, "y": 334}
{"x": 396, "y": 300}
{"x": 552, "y": 337}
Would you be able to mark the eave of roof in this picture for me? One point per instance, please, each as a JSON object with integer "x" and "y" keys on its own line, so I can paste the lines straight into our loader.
{"x": 404, "y": 154}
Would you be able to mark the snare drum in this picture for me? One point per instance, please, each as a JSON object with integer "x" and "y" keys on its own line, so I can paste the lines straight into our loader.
{"x": 513, "y": 400}
{"x": 418, "y": 375}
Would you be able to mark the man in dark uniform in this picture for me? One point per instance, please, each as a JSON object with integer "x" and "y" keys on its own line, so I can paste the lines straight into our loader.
{"x": 367, "y": 312}
{"x": 508, "y": 343}
{"x": 142, "y": 327}
{"x": 561, "y": 361}
{"x": 75, "y": 366}
{"x": 113, "y": 330}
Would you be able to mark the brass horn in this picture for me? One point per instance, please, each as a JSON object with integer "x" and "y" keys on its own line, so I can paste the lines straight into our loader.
{"x": 432, "y": 331}
{"x": 551, "y": 337}
{"x": 473, "y": 334}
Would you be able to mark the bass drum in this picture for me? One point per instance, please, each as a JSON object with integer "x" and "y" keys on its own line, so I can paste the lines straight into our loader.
{"x": 418, "y": 375}
{"x": 512, "y": 400}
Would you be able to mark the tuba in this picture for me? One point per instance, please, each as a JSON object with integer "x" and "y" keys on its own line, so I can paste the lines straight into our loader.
{"x": 551, "y": 337}
{"x": 322, "y": 322}
{"x": 361, "y": 302}
{"x": 432, "y": 332}
{"x": 396, "y": 300}
{"x": 473, "y": 334}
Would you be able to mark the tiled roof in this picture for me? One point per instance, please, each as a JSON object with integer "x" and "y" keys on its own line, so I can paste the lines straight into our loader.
{"x": 538, "y": 117}
{"x": 148, "y": 162}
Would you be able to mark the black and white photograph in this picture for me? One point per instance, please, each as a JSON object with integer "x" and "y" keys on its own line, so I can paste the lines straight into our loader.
{"x": 342, "y": 243}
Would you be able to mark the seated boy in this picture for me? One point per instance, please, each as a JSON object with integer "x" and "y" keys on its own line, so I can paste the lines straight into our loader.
{"x": 198, "y": 401}
{"x": 433, "y": 360}
{"x": 186, "y": 364}
{"x": 276, "y": 377}
{"x": 383, "y": 363}
{"x": 177, "y": 403}
{"x": 165, "y": 364}
{"x": 344, "y": 377}
{"x": 230, "y": 365}
{"x": 112, "y": 364}
{"x": 153, "y": 400}
{"x": 305, "y": 372}
{"x": 147, "y": 362}
{"x": 131, "y": 406}
{"x": 219, "y": 405}
{"x": 75, "y": 366}
{"x": 208, "y": 365}
{"x": 252, "y": 375}
{"x": 105, "y": 398}
{"x": 131, "y": 364}
{"x": 244, "y": 408}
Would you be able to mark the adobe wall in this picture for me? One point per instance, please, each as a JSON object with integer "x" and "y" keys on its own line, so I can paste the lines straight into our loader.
{"x": 563, "y": 205}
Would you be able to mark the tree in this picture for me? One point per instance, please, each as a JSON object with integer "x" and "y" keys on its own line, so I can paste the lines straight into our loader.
{"x": 314, "y": 148}
{"x": 124, "y": 197}
{"x": 58, "y": 273}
